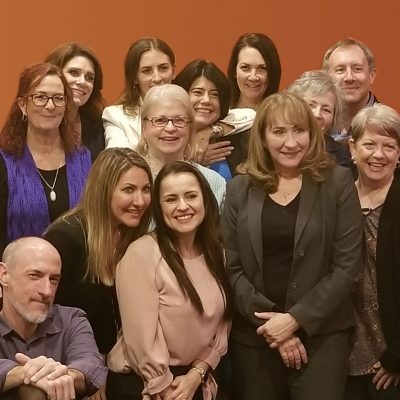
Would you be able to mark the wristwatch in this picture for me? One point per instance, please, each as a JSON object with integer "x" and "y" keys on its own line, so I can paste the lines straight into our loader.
{"x": 202, "y": 372}
{"x": 217, "y": 129}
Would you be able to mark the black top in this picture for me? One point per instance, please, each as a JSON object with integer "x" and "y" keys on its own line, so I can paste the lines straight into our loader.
{"x": 56, "y": 208}
{"x": 74, "y": 290}
{"x": 388, "y": 275}
{"x": 278, "y": 226}
{"x": 92, "y": 133}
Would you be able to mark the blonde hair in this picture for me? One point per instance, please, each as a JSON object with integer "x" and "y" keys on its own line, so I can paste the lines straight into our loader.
{"x": 319, "y": 83}
{"x": 380, "y": 117}
{"x": 97, "y": 218}
{"x": 156, "y": 96}
{"x": 295, "y": 111}
{"x": 348, "y": 42}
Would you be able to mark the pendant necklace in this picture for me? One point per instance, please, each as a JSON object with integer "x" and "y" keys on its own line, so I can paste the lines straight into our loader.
{"x": 53, "y": 195}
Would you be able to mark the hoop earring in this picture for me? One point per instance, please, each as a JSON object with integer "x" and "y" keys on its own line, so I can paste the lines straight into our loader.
{"x": 24, "y": 118}
{"x": 353, "y": 159}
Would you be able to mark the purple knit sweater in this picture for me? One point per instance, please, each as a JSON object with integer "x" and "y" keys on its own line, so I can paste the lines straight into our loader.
{"x": 27, "y": 207}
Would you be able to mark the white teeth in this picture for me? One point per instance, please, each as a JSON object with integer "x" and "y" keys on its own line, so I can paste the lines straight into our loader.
{"x": 184, "y": 218}
{"x": 203, "y": 111}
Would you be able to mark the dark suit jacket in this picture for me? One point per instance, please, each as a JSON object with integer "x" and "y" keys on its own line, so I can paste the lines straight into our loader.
{"x": 388, "y": 274}
{"x": 326, "y": 258}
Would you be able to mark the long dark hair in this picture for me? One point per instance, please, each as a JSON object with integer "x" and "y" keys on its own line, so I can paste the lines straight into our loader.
{"x": 206, "y": 238}
{"x": 62, "y": 54}
{"x": 130, "y": 96}
{"x": 267, "y": 48}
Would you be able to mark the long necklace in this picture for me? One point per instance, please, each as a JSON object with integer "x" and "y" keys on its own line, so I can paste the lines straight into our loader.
{"x": 53, "y": 195}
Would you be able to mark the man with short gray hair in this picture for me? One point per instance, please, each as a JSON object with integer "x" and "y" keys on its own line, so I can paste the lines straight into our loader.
{"x": 47, "y": 351}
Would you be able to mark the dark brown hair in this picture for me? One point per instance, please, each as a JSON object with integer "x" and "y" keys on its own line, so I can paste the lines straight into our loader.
{"x": 266, "y": 47}
{"x": 131, "y": 95}
{"x": 197, "y": 68}
{"x": 62, "y": 54}
{"x": 206, "y": 237}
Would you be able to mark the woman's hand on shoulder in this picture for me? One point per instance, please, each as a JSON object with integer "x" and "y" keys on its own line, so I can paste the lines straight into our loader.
{"x": 183, "y": 387}
{"x": 384, "y": 378}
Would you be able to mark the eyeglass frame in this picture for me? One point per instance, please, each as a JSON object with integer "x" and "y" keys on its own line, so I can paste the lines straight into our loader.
{"x": 168, "y": 120}
{"x": 48, "y": 98}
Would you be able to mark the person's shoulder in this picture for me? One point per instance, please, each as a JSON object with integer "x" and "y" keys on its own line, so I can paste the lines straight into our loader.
{"x": 210, "y": 174}
{"x": 240, "y": 181}
{"x": 63, "y": 315}
{"x": 73, "y": 223}
{"x": 114, "y": 109}
{"x": 145, "y": 244}
{"x": 340, "y": 173}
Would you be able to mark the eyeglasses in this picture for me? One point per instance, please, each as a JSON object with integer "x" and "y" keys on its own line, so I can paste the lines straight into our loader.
{"x": 161, "y": 121}
{"x": 41, "y": 100}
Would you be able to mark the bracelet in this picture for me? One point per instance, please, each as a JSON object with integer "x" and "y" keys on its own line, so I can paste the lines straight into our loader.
{"x": 201, "y": 371}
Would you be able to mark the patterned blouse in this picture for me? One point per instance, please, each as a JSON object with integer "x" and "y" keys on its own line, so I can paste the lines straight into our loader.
{"x": 368, "y": 341}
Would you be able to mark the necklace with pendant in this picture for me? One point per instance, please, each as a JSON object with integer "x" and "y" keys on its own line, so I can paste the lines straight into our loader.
{"x": 53, "y": 195}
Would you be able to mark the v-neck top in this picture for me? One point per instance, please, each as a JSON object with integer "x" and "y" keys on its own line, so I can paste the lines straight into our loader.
{"x": 278, "y": 228}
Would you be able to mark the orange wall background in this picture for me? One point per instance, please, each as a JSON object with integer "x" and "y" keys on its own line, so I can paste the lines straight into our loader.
{"x": 302, "y": 31}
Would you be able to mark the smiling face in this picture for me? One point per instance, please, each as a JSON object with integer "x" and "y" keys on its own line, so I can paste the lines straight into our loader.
{"x": 323, "y": 107}
{"x": 182, "y": 203}
{"x": 251, "y": 75}
{"x": 79, "y": 72}
{"x": 155, "y": 68}
{"x": 166, "y": 143}
{"x": 48, "y": 117}
{"x": 287, "y": 145}
{"x": 204, "y": 97}
{"x": 131, "y": 197}
{"x": 376, "y": 155}
{"x": 348, "y": 65}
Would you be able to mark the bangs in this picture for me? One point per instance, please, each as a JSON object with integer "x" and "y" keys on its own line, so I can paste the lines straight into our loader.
{"x": 290, "y": 113}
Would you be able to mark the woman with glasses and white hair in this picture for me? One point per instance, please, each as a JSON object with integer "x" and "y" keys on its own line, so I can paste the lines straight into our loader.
{"x": 42, "y": 166}
{"x": 167, "y": 129}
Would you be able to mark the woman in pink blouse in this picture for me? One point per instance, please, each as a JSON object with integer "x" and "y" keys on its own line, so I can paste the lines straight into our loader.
{"x": 173, "y": 296}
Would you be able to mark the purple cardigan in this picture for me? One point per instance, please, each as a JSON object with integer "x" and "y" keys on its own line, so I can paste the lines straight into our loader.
{"x": 27, "y": 206}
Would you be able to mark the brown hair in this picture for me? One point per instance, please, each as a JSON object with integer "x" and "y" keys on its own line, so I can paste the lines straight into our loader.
{"x": 267, "y": 48}
{"x": 13, "y": 133}
{"x": 131, "y": 95}
{"x": 62, "y": 54}
{"x": 206, "y": 237}
{"x": 291, "y": 108}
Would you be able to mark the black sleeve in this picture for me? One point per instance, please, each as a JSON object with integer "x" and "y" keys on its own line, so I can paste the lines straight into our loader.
{"x": 67, "y": 237}
{"x": 92, "y": 134}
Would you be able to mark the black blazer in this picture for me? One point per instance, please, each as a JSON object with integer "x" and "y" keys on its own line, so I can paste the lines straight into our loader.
{"x": 326, "y": 258}
{"x": 388, "y": 275}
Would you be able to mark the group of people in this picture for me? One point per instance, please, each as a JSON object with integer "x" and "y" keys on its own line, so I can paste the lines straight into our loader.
{"x": 223, "y": 239}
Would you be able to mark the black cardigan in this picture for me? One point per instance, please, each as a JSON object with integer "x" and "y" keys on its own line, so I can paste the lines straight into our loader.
{"x": 388, "y": 275}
